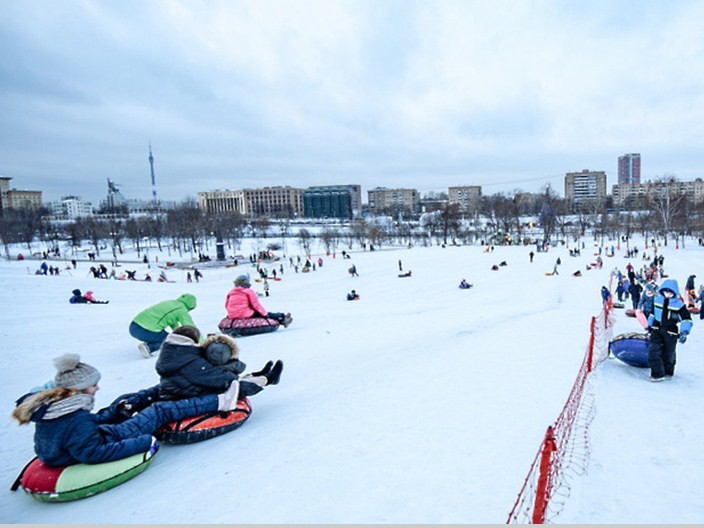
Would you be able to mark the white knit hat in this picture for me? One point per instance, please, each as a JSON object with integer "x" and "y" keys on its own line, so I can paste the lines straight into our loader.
{"x": 72, "y": 374}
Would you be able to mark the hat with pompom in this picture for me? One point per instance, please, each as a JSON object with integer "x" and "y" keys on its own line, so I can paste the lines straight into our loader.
{"x": 72, "y": 374}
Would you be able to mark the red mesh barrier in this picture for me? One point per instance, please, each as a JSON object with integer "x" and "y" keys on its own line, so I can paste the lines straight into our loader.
{"x": 565, "y": 449}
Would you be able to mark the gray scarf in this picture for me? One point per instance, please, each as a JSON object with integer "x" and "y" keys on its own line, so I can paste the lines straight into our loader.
{"x": 69, "y": 405}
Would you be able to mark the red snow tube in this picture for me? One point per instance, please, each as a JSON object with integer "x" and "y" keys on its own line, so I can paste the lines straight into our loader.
{"x": 204, "y": 426}
{"x": 241, "y": 327}
{"x": 61, "y": 484}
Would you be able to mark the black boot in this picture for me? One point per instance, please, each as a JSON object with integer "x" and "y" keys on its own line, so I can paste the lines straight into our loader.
{"x": 273, "y": 376}
{"x": 265, "y": 371}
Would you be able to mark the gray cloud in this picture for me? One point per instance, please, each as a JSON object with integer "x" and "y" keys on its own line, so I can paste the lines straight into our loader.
{"x": 422, "y": 94}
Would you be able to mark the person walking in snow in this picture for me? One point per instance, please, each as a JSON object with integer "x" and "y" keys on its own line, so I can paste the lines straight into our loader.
{"x": 187, "y": 369}
{"x": 669, "y": 323}
{"x": 635, "y": 289}
{"x": 353, "y": 271}
{"x": 67, "y": 432}
{"x": 150, "y": 326}
{"x": 242, "y": 303}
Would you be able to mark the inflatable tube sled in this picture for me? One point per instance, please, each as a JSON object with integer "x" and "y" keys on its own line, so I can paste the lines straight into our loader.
{"x": 247, "y": 327}
{"x": 61, "y": 484}
{"x": 619, "y": 304}
{"x": 631, "y": 348}
{"x": 205, "y": 426}
{"x": 630, "y": 312}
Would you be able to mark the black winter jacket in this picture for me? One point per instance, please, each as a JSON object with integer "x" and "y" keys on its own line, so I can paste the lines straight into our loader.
{"x": 186, "y": 373}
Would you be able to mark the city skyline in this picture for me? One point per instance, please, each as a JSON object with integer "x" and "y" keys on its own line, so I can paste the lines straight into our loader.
{"x": 420, "y": 95}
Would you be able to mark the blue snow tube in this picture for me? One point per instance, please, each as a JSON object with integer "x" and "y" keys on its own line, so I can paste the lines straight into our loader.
{"x": 631, "y": 348}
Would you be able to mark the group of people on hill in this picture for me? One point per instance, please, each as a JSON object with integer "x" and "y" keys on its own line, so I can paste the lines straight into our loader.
{"x": 197, "y": 375}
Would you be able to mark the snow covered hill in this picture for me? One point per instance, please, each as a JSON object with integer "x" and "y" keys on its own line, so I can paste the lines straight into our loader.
{"x": 420, "y": 403}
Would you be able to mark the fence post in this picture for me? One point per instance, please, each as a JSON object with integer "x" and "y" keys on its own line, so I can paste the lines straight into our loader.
{"x": 590, "y": 351}
{"x": 542, "y": 492}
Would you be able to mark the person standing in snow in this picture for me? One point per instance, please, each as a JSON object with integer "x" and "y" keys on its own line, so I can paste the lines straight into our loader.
{"x": 647, "y": 300}
{"x": 242, "y": 303}
{"x": 670, "y": 322}
{"x": 150, "y": 326}
{"x": 67, "y": 432}
{"x": 635, "y": 289}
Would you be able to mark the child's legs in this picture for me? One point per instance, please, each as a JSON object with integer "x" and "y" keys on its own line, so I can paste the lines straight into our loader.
{"x": 163, "y": 412}
{"x": 251, "y": 385}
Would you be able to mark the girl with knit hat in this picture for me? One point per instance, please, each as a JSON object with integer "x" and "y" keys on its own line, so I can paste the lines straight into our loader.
{"x": 67, "y": 432}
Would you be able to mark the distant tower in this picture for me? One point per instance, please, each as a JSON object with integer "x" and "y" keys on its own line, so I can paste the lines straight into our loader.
{"x": 151, "y": 164}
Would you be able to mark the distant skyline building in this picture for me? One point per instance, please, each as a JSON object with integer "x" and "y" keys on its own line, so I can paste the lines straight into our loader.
{"x": 585, "y": 186}
{"x": 332, "y": 201}
{"x": 284, "y": 202}
{"x": 629, "y": 169}
{"x": 18, "y": 199}
{"x": 383, "y": 200}
{"x": 468, "y": 197}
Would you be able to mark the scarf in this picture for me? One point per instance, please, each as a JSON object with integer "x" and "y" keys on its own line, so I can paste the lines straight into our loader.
{"x": 68, "y": 405}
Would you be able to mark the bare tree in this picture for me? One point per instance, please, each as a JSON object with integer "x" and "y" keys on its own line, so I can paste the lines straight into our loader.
{"x": 664, "y": 198}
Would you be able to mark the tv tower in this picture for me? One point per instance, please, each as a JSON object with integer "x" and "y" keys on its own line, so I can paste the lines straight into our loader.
{"x": 151, "y": 164}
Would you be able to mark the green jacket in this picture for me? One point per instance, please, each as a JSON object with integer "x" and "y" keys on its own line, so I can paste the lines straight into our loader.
{"x": 165, "y": 314}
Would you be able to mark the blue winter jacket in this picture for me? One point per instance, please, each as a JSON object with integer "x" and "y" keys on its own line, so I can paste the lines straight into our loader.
{"x": 676, "y": 313}
{"x": 78, "y": 438}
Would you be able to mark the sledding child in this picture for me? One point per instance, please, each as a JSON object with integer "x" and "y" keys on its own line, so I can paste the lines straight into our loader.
{"x": 188, "y": 369}
{"x": 77, "y": 297}
{"x": 242, "y": 303}
{"x": 353, "y": 296}
{"x": 670, "y": 322}
{"x": 89, "y": 297}
{"x": 67, "y": 432}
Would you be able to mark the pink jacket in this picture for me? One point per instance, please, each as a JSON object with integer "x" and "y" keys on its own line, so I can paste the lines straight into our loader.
{"x": 242, "y": 303}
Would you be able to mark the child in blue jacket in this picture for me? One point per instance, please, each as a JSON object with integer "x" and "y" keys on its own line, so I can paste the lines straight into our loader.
{"x": 68, "y": 433}
{"x": 669, "y": 322}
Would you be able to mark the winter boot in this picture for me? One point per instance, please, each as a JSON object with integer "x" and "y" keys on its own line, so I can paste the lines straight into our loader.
{"x": 274, "y": 375}
{"x": 265, "y": 370}
{"x": 144, "y": 350}
{"x": 287, "y": 320}
{"x": 227, "y": 401}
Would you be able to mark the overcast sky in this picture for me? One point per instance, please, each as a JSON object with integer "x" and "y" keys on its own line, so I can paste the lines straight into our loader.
{"x": 424, "y": 94}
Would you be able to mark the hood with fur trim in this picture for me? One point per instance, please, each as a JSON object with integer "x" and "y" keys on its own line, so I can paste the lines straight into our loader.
{"x": 220, "y": 349}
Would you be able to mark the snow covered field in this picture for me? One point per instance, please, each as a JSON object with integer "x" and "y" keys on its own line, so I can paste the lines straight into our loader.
{"x": 420, "y": 403}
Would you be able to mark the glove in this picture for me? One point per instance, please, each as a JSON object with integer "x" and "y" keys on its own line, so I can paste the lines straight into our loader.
{"x": 154, "y": 447}
{"x": 683, "y": 338}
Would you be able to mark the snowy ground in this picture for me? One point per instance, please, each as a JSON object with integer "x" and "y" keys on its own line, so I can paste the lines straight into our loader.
{"x": 420, "y": 403}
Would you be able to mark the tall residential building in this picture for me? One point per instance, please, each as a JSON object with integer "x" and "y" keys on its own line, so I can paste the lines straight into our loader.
{"x": 585, "y": 186}
{"x": 18, "y": 199}
{"x": 332, "y": 201}
{"x": 267, "y": 201}
{"x": 383, "y": 200}
{"x": 629, "y": 169}
{"x": 468, "y": 197}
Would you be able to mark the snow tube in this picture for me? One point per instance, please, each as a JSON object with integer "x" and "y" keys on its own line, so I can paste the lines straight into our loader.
{"x": 249, "y": 326}
{"x": 631, "y": 348}
{"x": 619, "y": 304}
{"x": 204, "y": 426}
{"x": 630, "y": 312}
{"x": 61, "y": 484}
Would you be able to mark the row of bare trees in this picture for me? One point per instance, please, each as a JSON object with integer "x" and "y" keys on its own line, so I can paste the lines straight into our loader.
{"x": 501, "y": 217}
